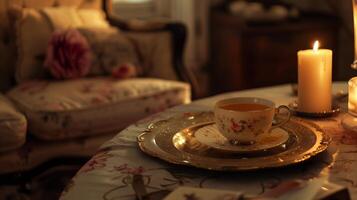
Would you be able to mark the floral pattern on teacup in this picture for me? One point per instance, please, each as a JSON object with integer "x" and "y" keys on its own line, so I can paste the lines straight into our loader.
{"x": 235, "y": 126}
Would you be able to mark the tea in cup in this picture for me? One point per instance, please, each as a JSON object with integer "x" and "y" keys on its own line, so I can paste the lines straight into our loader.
{"x": 243, "y": 119}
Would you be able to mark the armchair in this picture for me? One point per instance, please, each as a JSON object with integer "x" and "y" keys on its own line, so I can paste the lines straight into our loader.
{"x": 51, "y": 140}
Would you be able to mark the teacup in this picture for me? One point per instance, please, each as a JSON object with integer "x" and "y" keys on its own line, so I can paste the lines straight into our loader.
{"x": 243, "y": 119}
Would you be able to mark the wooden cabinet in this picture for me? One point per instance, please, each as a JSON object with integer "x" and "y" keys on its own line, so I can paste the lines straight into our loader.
{"x": 248, "y": 55}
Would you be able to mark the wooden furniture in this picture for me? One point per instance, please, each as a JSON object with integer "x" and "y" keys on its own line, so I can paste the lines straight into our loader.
{"x": 246, "y": 55}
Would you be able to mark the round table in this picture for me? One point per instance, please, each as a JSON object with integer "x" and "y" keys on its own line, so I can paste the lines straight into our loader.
{"x": 109, "y": 173}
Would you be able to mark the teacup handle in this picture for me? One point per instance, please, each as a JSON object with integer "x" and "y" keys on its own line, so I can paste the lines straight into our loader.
{"x": 282, "y": 122}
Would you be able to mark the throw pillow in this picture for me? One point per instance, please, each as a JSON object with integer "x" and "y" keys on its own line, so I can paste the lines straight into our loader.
{"x": 13, "y": 126}
{"x": 68, "y": 55}
{"x": 74, "y": 53}
{"x": 111, "y": 49}
{"x": 34, "y": 28}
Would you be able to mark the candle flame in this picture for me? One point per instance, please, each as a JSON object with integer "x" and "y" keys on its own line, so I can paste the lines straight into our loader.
{"x": 316, "y": 45}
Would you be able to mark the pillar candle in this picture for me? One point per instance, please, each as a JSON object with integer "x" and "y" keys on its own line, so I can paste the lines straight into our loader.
{"x": 314, "y": 79}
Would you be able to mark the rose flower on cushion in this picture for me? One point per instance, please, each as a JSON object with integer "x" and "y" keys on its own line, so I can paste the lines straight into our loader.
{"x": 68, "y": 55}
{"x": 124, "y": 71}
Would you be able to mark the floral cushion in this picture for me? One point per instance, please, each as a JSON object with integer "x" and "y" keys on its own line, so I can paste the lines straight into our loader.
{"x": 32, "y": 45}
{"x": 110, "y": 49}
{"x": 12, "y": 126}
{"x": 72, "y": 108}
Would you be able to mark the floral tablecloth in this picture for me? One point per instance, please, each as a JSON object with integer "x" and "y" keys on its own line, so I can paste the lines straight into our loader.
{"x": 109, "y": 173}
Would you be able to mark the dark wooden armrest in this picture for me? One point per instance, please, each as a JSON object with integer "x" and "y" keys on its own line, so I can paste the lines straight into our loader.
{"x": 179, "y": 34}
{"x": 137, "y": 25}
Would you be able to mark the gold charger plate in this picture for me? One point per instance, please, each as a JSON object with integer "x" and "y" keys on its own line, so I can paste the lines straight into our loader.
{"x": 173, "y": 140}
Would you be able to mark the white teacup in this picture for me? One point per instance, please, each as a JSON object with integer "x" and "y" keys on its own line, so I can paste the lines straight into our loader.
{"x": 241, "y": 120}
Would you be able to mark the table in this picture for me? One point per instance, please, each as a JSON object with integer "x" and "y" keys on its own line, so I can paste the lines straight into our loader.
{"x": 108, "y": 174}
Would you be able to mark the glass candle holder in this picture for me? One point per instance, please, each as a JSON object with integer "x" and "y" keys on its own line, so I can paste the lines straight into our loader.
{"x": 352, "y": 96}
{"x": 354, "y": 65}
{"x": 349, "y": 121}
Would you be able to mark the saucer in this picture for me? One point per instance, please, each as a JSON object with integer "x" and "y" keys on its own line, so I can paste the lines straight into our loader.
{"x": 294, "y": 108}
{"x": 210, "y": 136}
{"x": 173, "y": 140}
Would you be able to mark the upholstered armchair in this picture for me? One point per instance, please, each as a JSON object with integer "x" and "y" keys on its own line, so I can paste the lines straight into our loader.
{"x": 66, "y": 120}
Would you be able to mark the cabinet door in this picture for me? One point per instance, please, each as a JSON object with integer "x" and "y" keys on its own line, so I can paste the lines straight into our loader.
{"x": 227, "y": 72}
{"x": 269, "y": 58}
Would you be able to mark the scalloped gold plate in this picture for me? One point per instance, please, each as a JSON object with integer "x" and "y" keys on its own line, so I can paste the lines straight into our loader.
{"x": 173, "y": 140}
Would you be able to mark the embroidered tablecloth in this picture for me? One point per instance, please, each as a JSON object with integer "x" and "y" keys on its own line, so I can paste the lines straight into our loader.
{"x": 109, "y": 173}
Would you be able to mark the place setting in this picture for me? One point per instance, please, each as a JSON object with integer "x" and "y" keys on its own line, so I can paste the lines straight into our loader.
{"x": 243, "y": 133}
{"x": 249, "y": 133}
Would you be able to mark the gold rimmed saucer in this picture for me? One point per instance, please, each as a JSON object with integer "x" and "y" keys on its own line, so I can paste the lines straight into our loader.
{"x": 208, "y": 134}
{"x": 294, "y": 108}
{"x": 174, "y": 141}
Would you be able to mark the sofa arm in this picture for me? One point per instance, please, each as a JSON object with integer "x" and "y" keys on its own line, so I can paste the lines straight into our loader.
{"x": 178, "y": 34}
{"x": 13, "y": 126}
{"x": 138, "y": 25}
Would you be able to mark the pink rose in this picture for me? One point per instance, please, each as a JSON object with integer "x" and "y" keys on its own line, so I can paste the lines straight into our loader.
{"x": 124, "y": 71}
{"x": 68, "y": 55}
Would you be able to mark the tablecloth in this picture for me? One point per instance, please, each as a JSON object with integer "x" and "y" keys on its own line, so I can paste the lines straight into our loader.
{"x": 108, "y": 174}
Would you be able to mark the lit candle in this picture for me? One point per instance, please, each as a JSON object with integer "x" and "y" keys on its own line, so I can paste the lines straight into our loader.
{"x": 314, "y": 79}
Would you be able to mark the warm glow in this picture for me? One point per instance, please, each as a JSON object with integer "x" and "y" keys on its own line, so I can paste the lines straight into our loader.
{"x": 315, "y": 79}
{"x": 179, "y": 139}
{"x": 352, "y": 96}
{"x": 316, "y": 45}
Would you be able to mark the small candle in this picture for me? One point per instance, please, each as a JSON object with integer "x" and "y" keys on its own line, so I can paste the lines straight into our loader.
{"x": 352, "y": 96}
{"x": 314, "y": 79}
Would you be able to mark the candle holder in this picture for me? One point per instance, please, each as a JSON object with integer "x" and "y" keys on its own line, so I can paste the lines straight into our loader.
{"x": 349, "y": 120}
{"x": 354, "y": 65}
{"x": 293, "y": 106}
